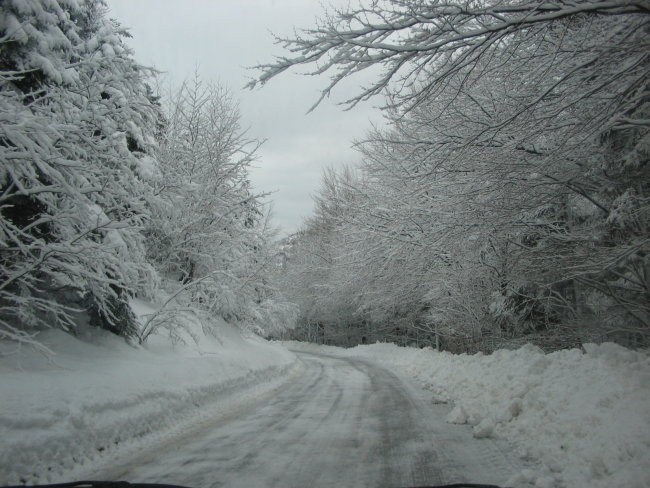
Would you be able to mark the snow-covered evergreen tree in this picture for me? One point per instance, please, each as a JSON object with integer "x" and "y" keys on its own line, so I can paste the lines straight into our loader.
{"x": 76, "y": 122}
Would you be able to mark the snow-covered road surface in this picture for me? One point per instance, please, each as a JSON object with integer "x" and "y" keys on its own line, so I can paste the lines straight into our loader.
{"x": 343, "y": 422}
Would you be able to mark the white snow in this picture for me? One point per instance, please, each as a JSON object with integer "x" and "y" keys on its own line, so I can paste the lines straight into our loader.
{"x": 148, "y": 167}
{"x": 582, "y": 415}
{"x": 97, "y": 395}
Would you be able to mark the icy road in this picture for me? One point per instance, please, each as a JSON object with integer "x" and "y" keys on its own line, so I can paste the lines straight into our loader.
{"x": 340, "y": 423}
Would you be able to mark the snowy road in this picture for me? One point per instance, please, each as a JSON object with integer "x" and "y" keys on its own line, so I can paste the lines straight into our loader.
{"x": 342, "y": 422}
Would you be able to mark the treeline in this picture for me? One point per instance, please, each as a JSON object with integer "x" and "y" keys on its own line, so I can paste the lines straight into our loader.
{"x": 108, "y": 193}
{"x": 508, "y": 198}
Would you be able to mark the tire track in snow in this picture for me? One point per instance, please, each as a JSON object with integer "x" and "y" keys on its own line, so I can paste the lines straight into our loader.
{"x": 336, "y": 422}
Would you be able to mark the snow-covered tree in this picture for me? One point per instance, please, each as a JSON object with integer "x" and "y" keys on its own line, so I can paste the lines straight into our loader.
{"x": 208, "y": 234}
{"x": 515, "y": 167}
{"x": 76, "y": 120}
{"x": 421, "y": 44}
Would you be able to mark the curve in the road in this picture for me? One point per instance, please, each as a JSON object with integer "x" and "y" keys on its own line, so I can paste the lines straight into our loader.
{"x": 343, "y": 423}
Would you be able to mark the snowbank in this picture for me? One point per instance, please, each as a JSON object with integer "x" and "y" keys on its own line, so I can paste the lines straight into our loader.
{"x": 584, "y": 415}
{"x": 97, "y": 396}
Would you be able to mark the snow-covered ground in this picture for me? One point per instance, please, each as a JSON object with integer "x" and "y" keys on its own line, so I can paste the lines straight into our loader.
{"x": 97, "y": 396}
{"x": 583, "y": 415}
{"x": 341, "y": 422}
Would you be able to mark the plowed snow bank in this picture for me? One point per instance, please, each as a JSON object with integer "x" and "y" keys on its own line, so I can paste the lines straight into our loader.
{"x": 97, "y": 394}
{"x": 583, "y": 414}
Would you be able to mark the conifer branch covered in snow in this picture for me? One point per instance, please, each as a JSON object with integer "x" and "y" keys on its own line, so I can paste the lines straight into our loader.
{"x": 76, "y": 119}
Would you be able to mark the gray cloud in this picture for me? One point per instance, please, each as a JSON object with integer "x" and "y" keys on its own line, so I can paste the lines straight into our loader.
{"x": 221, "y": 38}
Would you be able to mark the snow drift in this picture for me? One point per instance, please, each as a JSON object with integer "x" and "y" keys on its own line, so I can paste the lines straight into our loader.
{"x": 97, "y": 395}
{"x": 582, "y": 414}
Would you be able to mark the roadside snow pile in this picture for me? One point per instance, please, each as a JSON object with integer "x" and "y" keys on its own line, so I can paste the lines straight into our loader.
{"x": 97, "y": 395}
{"x": 585, "y": 416}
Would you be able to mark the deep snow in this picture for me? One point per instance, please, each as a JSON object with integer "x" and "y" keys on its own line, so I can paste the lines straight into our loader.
{"x": 97, "y": 395}
{"x": 583, "y": 415}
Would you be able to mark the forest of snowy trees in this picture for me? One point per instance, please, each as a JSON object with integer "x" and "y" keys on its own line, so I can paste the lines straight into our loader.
{"x": 508, "y": 197}
{"x": 111, "y": 193}
{"x": 505, "y": 199}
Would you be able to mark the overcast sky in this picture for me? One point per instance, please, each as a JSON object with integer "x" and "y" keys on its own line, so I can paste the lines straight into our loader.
{"x": 223, "y": 38}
